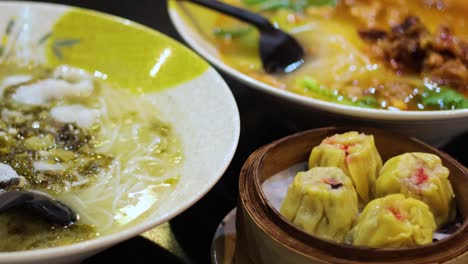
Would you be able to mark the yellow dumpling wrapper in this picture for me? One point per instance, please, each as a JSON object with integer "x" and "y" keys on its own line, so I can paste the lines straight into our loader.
{"x": 393, "y": 222}
{"x": 421, "y": 176}
{"x": 356, "y": 155}
{"x": 322, "y": 202}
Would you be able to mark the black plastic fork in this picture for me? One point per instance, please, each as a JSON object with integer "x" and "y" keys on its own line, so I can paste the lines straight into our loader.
{"x": 279, "y": 51}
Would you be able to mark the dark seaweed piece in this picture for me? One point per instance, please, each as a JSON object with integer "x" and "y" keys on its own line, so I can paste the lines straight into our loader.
{"x": 9, "y": 182}
{"x": 72, "y": 137}
{"x": 40, "y": 204}
{"x": 95, "y": 165}
{"x": 21, "y": 161}
{"x": 52, "y": 180}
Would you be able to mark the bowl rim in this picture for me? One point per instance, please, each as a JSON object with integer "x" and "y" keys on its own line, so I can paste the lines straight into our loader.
{"x": 280, "y": 222}
{"x": 106, "y": 241}
{"x": 353, "y": 111}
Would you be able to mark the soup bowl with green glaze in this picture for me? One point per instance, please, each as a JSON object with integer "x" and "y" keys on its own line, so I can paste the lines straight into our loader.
{"x": 189, "y": 94}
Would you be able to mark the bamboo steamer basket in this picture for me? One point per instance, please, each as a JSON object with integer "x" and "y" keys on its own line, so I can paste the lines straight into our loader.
{"x": 265, "y": 237}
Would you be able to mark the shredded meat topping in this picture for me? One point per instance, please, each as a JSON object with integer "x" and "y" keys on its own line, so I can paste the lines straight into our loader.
{"x": 411, "y": 48}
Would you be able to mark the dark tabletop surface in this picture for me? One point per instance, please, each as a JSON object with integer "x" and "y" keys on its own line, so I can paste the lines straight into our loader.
{"x": 187, "y": 238}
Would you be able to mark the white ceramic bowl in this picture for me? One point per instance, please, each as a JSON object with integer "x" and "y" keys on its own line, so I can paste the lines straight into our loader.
{"x": 188, "y": 92}
{"x": 435, "y": 127}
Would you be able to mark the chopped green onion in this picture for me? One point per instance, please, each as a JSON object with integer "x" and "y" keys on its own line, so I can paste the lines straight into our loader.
{"x": 253, "y": 2}
{"x": 312, "y": 86}
{"x": 298, "y": 5}
{"x": 368, "y": 101}
{"x": 444, "y": 98}
{"x": 275, "y": 5}
{"x": 321, "y": 2}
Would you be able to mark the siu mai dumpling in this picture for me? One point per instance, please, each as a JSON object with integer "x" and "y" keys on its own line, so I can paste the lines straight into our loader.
{"x": 393, "y": 222}
{"x": 356, "y": 155}
{"x": 322, "y": 202}
{"x": 421, "y": 176}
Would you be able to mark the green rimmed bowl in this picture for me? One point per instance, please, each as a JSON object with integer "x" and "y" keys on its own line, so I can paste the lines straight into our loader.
{"x": 188, "y": 92}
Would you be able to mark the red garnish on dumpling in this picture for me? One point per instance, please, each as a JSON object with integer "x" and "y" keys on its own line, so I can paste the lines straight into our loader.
{"x": 396, "y": 213}
{"x": 420, "y": 176}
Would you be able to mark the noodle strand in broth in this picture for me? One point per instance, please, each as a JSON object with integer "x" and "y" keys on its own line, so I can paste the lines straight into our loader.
{"x": 104, "y": 152}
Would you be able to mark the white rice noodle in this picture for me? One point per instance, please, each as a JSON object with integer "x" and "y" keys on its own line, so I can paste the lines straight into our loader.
{"x": 140, "y": 159}
{"x": 68, "y": 186}
{"x": 153, "y": 144}
{"x": 113, "y": 135}
{"x": 80, "y": 182}
{"x": 127, "y": 189}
